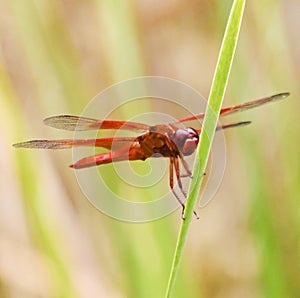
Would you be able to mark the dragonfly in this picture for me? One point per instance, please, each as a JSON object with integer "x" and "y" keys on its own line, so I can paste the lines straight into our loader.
{"x": 161, "y": 140}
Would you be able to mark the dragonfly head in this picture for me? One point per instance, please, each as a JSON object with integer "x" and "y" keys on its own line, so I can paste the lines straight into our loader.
{"x": 186, "y": 140}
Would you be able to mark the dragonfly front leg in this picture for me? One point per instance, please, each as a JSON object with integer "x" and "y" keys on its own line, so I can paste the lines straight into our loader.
{"x": 175, "y": 163}
{"x": 171, "y": 182}
{"x": 186, "y": 167}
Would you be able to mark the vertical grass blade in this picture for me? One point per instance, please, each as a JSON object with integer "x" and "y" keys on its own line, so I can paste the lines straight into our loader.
{"x": 217, "y": 92}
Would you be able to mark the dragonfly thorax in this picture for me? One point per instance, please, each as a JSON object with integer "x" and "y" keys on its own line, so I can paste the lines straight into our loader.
{"x": 186, "y": 140}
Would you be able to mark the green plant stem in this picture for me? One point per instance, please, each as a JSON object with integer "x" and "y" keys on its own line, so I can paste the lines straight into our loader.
{"x": 208, "y": 129}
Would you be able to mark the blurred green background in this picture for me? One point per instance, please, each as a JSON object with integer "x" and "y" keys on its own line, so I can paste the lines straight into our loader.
{"x": 57, "y": 55}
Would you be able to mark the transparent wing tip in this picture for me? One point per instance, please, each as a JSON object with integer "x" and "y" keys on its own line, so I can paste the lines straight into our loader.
{"x": 43, "y": 144}
{"x": 30, "y": 144}
{"x": 282, "y": 95}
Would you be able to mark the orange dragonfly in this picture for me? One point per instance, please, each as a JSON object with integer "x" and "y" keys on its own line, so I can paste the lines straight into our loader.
{"x": 162, "y": 140}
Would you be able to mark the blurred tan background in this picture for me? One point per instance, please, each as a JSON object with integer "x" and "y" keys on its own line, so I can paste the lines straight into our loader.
{"x": 54, "y": 57}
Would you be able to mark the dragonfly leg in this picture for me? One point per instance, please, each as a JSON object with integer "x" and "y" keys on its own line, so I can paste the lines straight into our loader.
{"x": 188, "y": 171}
{"x": 186, "y": 167}
{"x": 185, "y": 176}
{"x": 177, "y": 172}
{"x": 172, "y": 186}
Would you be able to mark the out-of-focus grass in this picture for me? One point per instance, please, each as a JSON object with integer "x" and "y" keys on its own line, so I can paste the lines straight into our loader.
{"x": 57, "y": 55}
{"x": 271, "y": 154}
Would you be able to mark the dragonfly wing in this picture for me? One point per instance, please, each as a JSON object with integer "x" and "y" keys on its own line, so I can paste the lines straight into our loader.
{"x": 45, "y": 144}
{"x": 240, "y": 107}
{"x": 253, "y": 104}
{"x": 107, "y": 143}
{"x": 230, "y": 125}
{"x": 68, "y": 122}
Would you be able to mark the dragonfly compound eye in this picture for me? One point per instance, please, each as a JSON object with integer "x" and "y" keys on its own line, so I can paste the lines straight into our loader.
{"x": 186, "y": 140}
{"x": 191, "y": 142}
